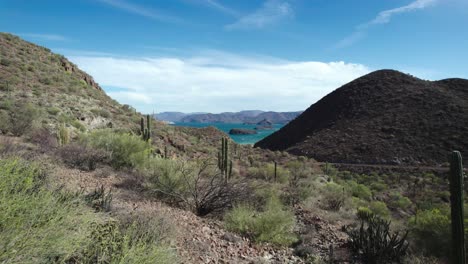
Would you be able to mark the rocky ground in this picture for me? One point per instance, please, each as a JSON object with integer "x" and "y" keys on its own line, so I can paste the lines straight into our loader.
{"x": 204, "y": 240}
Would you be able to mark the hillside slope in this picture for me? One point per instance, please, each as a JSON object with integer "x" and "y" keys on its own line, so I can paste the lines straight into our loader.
{"x": 62, "y": 93}
{"x": 385, "y": 117}
{"x": 45, "y": 89}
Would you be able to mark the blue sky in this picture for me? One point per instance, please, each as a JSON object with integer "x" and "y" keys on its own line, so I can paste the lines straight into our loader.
{"x": 226, "y": 55}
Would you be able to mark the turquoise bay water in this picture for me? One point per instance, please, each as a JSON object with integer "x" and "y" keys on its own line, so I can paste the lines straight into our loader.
{"x": 241, "y": 139}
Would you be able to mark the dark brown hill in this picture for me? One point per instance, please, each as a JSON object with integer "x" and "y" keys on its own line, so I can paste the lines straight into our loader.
{"x": 385, "y": 117}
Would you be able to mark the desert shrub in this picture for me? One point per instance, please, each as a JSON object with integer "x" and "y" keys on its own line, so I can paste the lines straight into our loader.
{"x": 5, "y": 62}
{"x": 374, "y": 243}
{"x": 200, "y": 186}
{"x": 330, "y": 170}
{"x": 115, "y": 243}
{"x": 53, "y": 110}
{"x": 430, "y": 230}
{"x": 4, "y": 121}
{"x": 78, "y": 125}
{"x": 43, "y": 138}
{"x": 100, "y": 199}
{"x": 125, "y": 150}
{"x": 82, "y": 157}
{"x": 273, "y": 225}
{"x": 378, "y": 186}
{"x": 101, "y": 112}
{"x": 359, "y": 190}
{"x": 36, "y": 226}
{"x": 23, "y": 118}
{"x": 6, "y": 104}
{"x": 364, "y": 213}
{"x": 267, "y": 172}
{"x": 379, "y": 208}
{"x": 399, "y": 201}
{"x": 334, "y": 196}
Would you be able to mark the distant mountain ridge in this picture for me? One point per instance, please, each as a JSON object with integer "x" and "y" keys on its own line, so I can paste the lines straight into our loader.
{"x": 247, "y": 116}
{"x": 385, "y": 117}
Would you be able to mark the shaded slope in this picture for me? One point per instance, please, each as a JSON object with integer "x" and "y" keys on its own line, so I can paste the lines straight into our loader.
{"x": 385, "y": 117}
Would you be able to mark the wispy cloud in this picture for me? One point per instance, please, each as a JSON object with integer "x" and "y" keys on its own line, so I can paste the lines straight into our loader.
{"x": 270, "y": 13}
{"x": 216, "y": 5}
{"x": 383, "y": 17}
{"x": 142, "y": 11}
{"x": 47, "y": 37}
{"x": 216, "y": 81}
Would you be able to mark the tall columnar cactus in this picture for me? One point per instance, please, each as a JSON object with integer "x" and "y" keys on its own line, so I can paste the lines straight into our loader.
{"x": 145, "y": 131}
{"x": 275, "y": 177}
{"x": 456, "y": 203}
{"x": 224, "y": 163}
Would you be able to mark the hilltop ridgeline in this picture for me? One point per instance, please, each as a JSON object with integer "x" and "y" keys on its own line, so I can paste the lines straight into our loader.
{"x": 385, "y": 117}
{"x": 249, "y": 116}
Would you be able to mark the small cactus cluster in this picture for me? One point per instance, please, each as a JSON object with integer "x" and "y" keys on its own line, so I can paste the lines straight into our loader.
{"x": 145, "y": 131}
{"x": 456, "y": 204}
{"x": 63, "y": 136}
{"x": 224, "y": 163}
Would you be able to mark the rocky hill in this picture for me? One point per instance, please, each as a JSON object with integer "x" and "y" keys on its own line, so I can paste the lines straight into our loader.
{"x": 253, "y": 117}
{"x": 41, "y": 89}
{"x": 385, "y": 117}
{"x": 32, "y": 76}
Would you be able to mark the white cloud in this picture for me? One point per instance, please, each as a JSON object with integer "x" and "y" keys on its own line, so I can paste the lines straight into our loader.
{"x": 142, "y": 11}
{"x": 48, "y": 37}
{"x": 217, "y": 81}
{"x": 383, "y": 17}
{"x": 270, "y": 13}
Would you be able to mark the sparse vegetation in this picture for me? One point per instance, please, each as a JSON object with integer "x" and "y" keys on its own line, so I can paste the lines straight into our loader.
{"x": 126, "y": 150}
{"x": 274, "y": 224}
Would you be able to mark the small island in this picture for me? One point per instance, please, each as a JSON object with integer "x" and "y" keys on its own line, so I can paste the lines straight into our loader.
{"x": 242, "y": 131}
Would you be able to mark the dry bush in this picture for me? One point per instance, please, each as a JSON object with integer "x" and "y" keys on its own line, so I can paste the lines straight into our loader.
{"x": 44, "y": 139}
{"x": 199, "y": 186}
{"x": 82, "y": 157}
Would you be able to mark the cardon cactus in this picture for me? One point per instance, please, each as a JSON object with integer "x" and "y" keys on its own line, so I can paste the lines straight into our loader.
{"x": 224, "y": 163}
{"x": 145, "y": 131}
{"x": 456, "y": 204}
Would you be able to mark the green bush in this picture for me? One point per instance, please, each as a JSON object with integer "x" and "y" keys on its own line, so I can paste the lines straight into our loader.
{"x": 379, "y": 208}
{"x": 399, "y": 201}
{"x": 125, "y": 150}
{"x": 78, "y": 125}
{"x": 273, "y": 225}
{"x": 53, "y": 110}
{"x": 38, "y": 225}
{"x": 334, "y": 196}
{"x": 6, "y": 104}
{"x": 359, "y": 190}
{"x": 101, "y": 112}
{"x": 267, "y": 172}
{"x": 430, "y": 230}
{"x": 378, "y": 186}
{"x": 23, "y": 118}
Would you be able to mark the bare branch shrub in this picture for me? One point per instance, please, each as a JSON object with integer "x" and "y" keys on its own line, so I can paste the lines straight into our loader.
{"x": 81, "y": 156}
{"x": 199, "y": 186}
